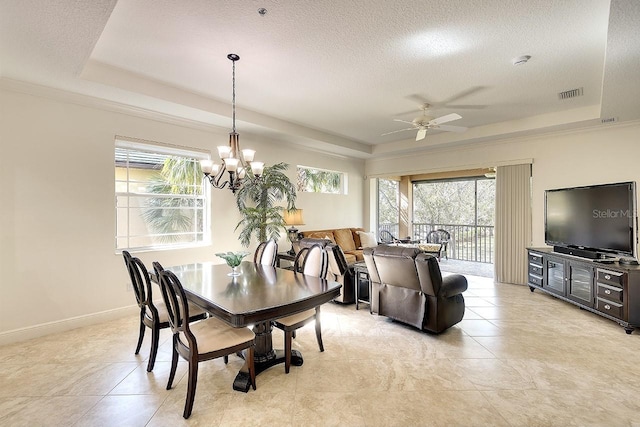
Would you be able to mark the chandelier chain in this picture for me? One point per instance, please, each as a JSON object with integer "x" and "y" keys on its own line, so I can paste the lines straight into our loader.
{"x": 233, "y": 95}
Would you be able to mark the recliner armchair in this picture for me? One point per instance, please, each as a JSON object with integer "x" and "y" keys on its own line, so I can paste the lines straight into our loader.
{"x": 406, "y": 285}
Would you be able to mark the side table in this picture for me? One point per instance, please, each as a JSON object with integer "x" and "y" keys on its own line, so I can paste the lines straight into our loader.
{"x": 362, "y": 285}
{"x": 284, "y": 256}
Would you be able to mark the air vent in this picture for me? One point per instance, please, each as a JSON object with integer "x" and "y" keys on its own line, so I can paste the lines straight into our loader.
{"x": 570, "y": 93}
{"x": 609, "y": 120}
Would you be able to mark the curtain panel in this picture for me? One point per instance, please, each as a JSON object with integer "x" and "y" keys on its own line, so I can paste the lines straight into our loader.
{"x": 513, "y": 223}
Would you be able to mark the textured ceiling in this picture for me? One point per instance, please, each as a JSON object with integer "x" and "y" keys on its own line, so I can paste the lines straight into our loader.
{"x": 334, "y": 74}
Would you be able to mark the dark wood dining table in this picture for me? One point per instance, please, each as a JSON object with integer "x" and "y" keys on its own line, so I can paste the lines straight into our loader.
{"x": 256, "y": 297}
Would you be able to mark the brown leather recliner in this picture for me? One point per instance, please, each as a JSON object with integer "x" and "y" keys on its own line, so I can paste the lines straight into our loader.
{"x": 406, "y": 285}
{"x": 339, "y": 270}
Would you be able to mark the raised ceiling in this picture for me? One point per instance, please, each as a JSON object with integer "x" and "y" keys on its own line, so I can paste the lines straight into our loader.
{"x": 334, "y": 74}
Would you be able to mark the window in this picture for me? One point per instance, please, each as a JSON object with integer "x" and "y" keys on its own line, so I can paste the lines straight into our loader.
{"x": 388, "y": 206}
{"x": 321, "y": 181}
{"x": 160, "y": 196}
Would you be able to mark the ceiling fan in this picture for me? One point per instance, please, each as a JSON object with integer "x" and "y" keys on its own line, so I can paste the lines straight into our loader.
{"x": 424, "y": 122}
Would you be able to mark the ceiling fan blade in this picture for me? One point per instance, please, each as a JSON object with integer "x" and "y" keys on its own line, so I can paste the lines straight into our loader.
{"x": 396, "y": 131}
{"x": 449, "y": 128}
{"x": 419, "y": 99}
{"x": 467, "y": 107}
{"x": 463, "y": 94}
{"x": 421, "y": 134}
{"x": 444, "y": 119}
{"x": 403, "y": 121}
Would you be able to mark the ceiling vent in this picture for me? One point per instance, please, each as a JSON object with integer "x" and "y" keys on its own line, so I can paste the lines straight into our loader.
{"x": 570, "y": 93}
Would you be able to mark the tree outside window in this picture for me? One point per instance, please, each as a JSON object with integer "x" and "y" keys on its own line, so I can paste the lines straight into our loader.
{"x": 320, "y": 181}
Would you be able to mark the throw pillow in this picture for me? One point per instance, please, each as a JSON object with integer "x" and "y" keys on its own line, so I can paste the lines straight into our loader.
{"x": 368, "y": 240}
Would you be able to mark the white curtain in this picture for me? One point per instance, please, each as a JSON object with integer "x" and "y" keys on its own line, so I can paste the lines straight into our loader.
{"x": 513, "y": 223}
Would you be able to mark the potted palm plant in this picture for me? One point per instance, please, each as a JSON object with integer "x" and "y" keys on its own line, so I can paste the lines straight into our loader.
{"x": 258, "y": 202}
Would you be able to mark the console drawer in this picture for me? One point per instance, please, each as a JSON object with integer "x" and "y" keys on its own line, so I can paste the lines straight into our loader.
{"x": 535, "y": 258}
{"x": 535, "y": 269}
{"x": 611, "y": 308}
{"x": 610, "y": 293}
{"x": 535, "y": 280}
{"x": 614, "y": 278}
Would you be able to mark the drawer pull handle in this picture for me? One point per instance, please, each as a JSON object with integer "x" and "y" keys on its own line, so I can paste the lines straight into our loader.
{"x": 607, "y": 307}
{"x": 607, "y": 291}
{"x": 606, "y": 276}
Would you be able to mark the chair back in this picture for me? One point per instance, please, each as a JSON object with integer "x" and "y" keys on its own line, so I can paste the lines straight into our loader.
{"x": 266, "y": 253}
{"x": 386, "y": 237}
{"x": 177, "y": 305}
{"x": 438, "y": 236}
{"x": 393, "y": 265}
{"x": 338, "y": 265}
{"x": 140, "y": 281}
{"x": 312, "y": 261}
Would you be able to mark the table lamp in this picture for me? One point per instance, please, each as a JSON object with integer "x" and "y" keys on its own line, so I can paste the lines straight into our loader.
{"x": 293, "y": 218}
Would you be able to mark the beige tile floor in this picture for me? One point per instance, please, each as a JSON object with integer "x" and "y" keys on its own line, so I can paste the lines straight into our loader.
{"x": 517, "y": 359}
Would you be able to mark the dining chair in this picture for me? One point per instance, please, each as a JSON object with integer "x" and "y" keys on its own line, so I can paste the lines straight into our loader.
{"x": 266, "y": 253}
{"x": 209, "y": 339}
{"x": 312, "y": 261}
{"x": 153, "y": 314}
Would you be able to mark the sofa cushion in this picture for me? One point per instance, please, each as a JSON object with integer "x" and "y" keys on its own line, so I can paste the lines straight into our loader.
{"x": 356, "y": 255}
{"x": 325, "y": 234}
{"x": 350, "y": 258}
{"x": 344, "y": 239}
{"x": 356, "y": 237}
{"x": 368, "y": 240}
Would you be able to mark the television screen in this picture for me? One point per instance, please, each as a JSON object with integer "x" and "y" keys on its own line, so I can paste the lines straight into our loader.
{"x": 599, "y": 217}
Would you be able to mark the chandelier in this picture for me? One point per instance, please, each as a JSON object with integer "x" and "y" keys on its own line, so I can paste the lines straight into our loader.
{"x": 233, "y": 160}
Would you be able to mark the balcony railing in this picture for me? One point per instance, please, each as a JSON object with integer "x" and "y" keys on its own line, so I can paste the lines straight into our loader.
{"x": 467, "y": 243}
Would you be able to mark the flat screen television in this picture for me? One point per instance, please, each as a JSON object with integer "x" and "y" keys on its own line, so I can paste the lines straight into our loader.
{"x": 598, "y": 219}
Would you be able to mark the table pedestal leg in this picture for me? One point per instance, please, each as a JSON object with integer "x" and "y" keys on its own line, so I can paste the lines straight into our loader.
{"x": 264, "y": 356}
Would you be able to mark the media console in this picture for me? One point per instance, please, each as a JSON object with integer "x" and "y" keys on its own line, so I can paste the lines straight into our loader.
{"x": 611, "y": 290}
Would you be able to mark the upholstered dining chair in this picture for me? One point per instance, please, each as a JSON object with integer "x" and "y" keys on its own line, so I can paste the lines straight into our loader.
{"x": 312, "y": 261}
{"x": 197, "y": 342}
{"x": 153, "y": 315}
{"x": 266, "y": 253}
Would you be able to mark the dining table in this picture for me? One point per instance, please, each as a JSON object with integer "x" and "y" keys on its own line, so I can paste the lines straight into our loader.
{"x": 254, "y": 298}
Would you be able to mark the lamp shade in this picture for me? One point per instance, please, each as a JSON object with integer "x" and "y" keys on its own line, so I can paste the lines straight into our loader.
{"x": 293, "y": 217}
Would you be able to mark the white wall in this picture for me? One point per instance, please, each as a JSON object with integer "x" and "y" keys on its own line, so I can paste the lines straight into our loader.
{"x": 601, "y": 154}
{"x": 57, "y": 221}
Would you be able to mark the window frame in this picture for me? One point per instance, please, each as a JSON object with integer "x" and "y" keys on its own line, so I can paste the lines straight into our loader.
{"x": 158, "y": 149}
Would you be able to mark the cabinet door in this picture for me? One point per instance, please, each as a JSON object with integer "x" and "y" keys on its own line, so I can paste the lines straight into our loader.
{"x": 580, "y": 284}
{"x": 555, "y": 277}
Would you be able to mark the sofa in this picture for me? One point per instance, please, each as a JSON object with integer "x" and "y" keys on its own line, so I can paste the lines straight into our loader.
{"x": 407, "y": 286}
{"x": 347, "y": 238}
{"x": 338, "y": 271}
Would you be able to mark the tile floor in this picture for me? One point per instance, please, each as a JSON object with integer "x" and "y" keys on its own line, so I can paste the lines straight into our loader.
{"x": 517, "y": 359}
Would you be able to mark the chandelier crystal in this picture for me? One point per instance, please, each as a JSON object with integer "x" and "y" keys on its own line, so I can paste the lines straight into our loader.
{"x": 233, "y": 160}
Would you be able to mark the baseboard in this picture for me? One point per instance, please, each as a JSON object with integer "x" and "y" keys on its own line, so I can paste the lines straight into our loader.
{"x": 30, "y": 332}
